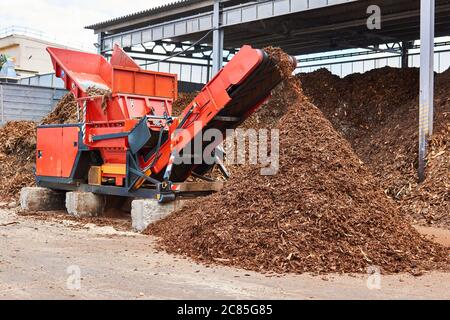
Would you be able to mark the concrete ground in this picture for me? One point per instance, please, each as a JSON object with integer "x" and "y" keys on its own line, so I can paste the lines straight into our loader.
{"x": 54, "y": 259}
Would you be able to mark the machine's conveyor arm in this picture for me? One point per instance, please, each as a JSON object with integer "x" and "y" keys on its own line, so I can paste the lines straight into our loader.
{"x": 234, "y": 93}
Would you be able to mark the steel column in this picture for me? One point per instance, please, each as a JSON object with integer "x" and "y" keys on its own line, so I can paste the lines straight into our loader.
{"x": 218, "y": 38}
{"x": 208, "y": 70}
{"x": 426, "y": 104}
{"x": 232, "y": 15}
{"x": 2, "y": 107}
{"x": 405, "y": 51}
{"x": 100, "y": 42}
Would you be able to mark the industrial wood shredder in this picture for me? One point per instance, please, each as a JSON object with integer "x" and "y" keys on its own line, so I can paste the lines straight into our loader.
{"x": 125, "y": 141}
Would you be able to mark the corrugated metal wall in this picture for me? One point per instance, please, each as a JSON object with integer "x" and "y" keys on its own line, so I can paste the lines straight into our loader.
{"x": 24, "y": 102}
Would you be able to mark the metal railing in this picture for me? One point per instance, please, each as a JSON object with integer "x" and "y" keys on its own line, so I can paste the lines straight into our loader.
{"x": 187, "y": 72}
{"x": 44, "y": 80}
{"x": 192, "y": 73}
{"x": 344, "y": 68}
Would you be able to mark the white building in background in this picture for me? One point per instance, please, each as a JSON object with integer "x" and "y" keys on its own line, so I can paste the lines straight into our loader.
{"x": 28, "y": 50}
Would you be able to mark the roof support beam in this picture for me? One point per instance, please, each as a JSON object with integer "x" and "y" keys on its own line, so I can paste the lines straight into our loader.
{"x": 231, "y": 16}
{"x": 218, "y": 38}
{"x": 426, "y": 107}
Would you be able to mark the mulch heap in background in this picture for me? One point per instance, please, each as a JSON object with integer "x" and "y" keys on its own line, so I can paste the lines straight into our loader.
{"x": 378, "y": 113}
{"x": 18, "y": 148}
{"x": 184, "y": 99}
{"x": 65, "y": 111}
{"x": 18, "y": 145}
{"x": 321, "y": 213}
{"x": 17, "y": 157}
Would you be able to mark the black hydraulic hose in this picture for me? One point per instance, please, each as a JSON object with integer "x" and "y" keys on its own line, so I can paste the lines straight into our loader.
{"x": 158, "y": 147}
{"x": 181, "y": 124}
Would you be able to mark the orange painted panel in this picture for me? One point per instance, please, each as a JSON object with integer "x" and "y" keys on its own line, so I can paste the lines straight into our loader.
{"x": 145, "y": 83}
{"x": 70, "y": 150}
{"x": 121, "y": 59}
{"x": 123, "y": 81}
{"x": 136, "y": 107}
{"x": 166, "y": 87}
{"x": 49, "y": 152}
{"x": 107, "y": 143}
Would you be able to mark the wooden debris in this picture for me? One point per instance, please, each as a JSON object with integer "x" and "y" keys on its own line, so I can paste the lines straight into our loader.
{"x": 327, "y": 215}
{"x": 378, "y": 114}
{"x": 18, "y": 145}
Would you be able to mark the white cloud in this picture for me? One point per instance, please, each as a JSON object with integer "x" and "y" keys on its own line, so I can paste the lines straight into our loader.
{"x": 65, "y": 20}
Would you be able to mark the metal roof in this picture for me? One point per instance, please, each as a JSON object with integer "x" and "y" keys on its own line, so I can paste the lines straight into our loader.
{"x": 297, "y": 26}
{"x": 144, "y": 13}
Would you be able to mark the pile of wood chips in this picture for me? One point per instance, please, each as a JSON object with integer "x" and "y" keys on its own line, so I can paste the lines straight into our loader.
{"x": 18, "y": 144}
{"x": 184, "y": 99}
{"x": 323, "y": 212}
{"x": 17, "y": 157}
{"x": 65, "y": 111}
{"x": 378, "y": 113}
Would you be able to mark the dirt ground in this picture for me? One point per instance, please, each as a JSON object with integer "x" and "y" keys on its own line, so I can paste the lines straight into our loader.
{"x": 36, "y": 256}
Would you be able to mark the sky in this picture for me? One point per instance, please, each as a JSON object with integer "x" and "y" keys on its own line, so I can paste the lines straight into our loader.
{"x": 65, "y": 20}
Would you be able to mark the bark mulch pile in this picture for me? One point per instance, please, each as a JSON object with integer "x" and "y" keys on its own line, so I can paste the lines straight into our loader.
{"x": 322, "y": 212}
{"x": 184, "y": 99}
{"x": 17, "y": 152}
{"x": 18, "y": 145}
{"x": 378, "y": 113}
{"x": 65, "y": 111}
{"x": 272, "y": 110}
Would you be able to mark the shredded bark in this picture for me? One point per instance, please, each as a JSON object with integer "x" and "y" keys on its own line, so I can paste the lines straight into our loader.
{"x": 17, "y": 157}
{"x": 65, "y": 111}
{"x": 18, "y": 144}
{"x": 184, "y": 99}
{"x": 323, "y": 212}
{"x": 378, "y": 113}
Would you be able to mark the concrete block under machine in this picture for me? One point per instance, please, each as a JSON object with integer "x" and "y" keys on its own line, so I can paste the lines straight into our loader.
{"x": 85, "y": 204}
{"x": 147, "y": 211}
{"x": 41, "y": 199}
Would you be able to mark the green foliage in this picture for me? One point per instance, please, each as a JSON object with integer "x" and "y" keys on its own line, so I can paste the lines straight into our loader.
{"x": 3, "y": 59}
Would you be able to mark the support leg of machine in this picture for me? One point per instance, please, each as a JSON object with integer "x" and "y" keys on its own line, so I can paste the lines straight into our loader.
{"x": 147, "y": 211}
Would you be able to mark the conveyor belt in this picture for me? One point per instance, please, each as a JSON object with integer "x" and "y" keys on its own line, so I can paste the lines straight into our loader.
{"x": 245, "y": 97}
